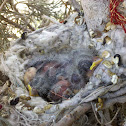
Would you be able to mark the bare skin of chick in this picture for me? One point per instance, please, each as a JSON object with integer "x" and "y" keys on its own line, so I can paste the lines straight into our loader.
{"x": 29, "y": 75}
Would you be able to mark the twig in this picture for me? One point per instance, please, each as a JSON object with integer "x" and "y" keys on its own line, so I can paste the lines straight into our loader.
{"x": 99, "y": 120}
{"x": 11, "y": 22}
{"x": 63, "y": 2}
{"x": 95, "y": 93}
{"x": 16, "y": 12}
{"x": 51, "y": 19}
{"x": 2, "y": 5}
{"x": 117, "y": 93}
{"x": 70, "y": 118}
{"x": 15, "y": 24}
{"x": 95, "y": 114}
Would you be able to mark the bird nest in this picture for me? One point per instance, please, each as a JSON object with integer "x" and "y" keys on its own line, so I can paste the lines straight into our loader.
{"x": 59, "y": 72}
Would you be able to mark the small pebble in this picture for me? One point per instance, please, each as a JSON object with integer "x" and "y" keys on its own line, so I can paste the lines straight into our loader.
{"x": 99, "y": 40}
{"x": 105, "y": 54}
{"x": 91, "y": 33}
{"x": 110, "y": 26}
{"x": 107, "y": 40}
{"x": 38, "y": 110}
{"x": 114, "y": 79}
{"x": 24, "y": 97}
{"x": 107, "y": 64}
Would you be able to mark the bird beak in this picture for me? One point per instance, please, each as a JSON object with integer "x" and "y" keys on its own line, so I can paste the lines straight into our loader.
{"x": 96, "y": 62}
{"x": 32, "y": 92}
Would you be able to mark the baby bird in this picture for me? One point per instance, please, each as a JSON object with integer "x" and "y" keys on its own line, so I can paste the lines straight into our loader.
{"x": 58, "y": 76}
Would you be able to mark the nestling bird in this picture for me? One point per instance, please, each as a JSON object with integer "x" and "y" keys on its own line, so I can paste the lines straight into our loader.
{"x": 58, "y": 76}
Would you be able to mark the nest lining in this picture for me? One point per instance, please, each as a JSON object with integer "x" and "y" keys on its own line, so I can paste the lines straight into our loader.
{"x": 51, "y": 40}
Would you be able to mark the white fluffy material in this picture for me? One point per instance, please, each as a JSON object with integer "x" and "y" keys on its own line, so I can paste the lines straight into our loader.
{"x": 51, "y": 39}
